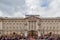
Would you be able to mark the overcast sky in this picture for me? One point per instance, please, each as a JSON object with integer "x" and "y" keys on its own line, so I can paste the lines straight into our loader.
{"x": 20, "y": 8}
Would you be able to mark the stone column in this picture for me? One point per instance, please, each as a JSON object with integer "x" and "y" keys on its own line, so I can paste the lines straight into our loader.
{"x": 37, "y": 27}
{"x": 26, "y": 34}
{"x": 39, "y": 34}
{"x": 27, "y": 25}
{"x": 1, "y": 29}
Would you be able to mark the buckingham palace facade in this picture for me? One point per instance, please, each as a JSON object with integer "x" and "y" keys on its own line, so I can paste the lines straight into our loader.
{"x": 30, "y": 22}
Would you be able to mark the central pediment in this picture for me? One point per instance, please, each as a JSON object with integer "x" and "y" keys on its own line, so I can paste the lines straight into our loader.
{"x": 32, "y": 17}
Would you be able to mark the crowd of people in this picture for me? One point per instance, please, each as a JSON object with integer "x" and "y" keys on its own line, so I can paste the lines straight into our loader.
{"x": 19, "y": 37}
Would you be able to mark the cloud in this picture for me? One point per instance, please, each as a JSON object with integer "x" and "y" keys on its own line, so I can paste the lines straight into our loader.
{"x": 9, "y": 7}
{"x": 19, "y": 8}
{"x": 53, "y": 8}
{"x": 1, "y": 13}
{"x": 45, "y": 8}
{"x": 32, "y": 6}
{"x": 18, "y": 14}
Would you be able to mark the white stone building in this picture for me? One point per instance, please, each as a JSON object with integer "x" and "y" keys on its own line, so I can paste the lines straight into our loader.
{"x": 30, "y": 22}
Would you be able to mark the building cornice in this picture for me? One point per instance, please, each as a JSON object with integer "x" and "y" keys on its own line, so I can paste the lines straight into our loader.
{"x": 21, "y": 18}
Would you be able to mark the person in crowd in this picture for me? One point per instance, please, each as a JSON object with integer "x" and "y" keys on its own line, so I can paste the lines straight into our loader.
{"x": 58, "y": 38}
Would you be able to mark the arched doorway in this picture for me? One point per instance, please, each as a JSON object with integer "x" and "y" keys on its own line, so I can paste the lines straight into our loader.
{"x": 32, "y": 33}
